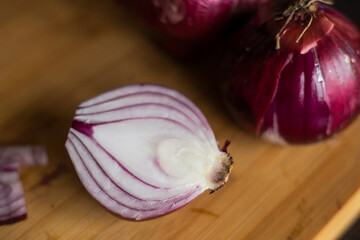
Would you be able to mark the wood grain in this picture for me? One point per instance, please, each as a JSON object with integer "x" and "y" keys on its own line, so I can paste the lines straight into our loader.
{"x": 56, "y": 54}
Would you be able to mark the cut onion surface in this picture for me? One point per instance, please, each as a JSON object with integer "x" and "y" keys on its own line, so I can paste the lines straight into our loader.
{"x": 145, "y": 150}
{"x": 12, "y": 200}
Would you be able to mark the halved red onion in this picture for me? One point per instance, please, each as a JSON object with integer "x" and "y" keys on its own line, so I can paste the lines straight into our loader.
{"x": 308, "y": 88}
{"x": 145, "y": 150}
{"x": 12, "y": 200}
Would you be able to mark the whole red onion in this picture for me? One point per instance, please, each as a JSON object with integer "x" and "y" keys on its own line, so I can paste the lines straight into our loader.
{"x": 296, "y": 78}
{"x": 181, "y": 24}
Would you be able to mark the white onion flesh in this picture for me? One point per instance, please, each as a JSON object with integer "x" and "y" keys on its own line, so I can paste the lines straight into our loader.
{"x": 145, "y": 150}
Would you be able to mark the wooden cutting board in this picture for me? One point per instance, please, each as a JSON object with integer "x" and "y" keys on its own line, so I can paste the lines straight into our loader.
{"x": 56, "y": 54}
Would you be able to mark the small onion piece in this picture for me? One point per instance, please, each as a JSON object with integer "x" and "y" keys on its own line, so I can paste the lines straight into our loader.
{"x": 12, "y": 200}
{"x": 296, "y": 79}
{"x": 145, "y": 150}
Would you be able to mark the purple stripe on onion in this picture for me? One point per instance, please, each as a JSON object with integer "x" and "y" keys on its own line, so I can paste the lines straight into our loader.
{"x": 145, "y": 150}
{"x": 296, "y": 78}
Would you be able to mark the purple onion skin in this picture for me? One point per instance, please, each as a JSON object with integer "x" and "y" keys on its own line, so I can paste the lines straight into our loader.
{"x": 304, "y": 92}
{"x": 184, "y": 25}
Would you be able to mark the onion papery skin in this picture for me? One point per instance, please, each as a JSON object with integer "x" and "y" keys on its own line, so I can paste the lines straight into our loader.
{"x": 12, "y": 199}
{"x": 182, "y": 26}
{"x": 145, "y": 150}
{"x": 303, "y": 92}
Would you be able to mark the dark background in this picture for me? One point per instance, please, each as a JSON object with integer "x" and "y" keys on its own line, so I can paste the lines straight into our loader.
{"x": 351, "y": 8}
